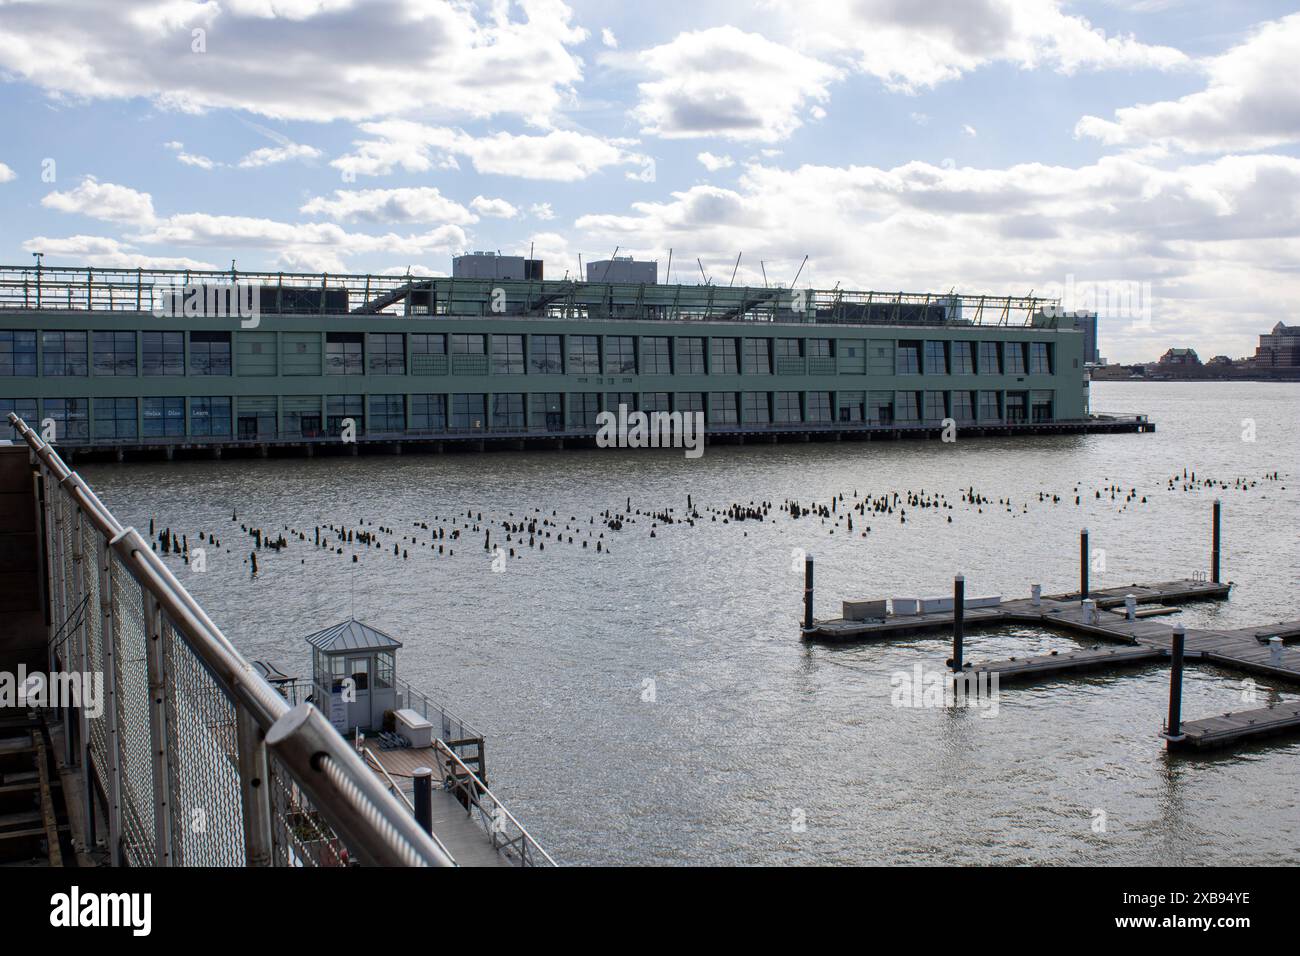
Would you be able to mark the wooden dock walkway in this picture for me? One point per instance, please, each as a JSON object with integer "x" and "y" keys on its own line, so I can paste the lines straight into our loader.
{"x": 1141, "y": 641}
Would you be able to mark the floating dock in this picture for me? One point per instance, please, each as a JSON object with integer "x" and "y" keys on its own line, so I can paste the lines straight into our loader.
{"x": 1110, "y": 615}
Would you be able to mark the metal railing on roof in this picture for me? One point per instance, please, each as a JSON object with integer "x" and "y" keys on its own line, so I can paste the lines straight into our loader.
{"x": 198, "y": 760}
{"x": 82, "y": 289}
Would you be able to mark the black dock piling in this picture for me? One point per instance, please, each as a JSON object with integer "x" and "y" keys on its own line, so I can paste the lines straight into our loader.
{"x": 958, "y": 620}
{"x": 1174, "y": 731}
{"x": 422, "y": 777}
{"x": 1214, "y": 542}
{"x": 1083, "y": 564}
{"x": 808, "y": 592}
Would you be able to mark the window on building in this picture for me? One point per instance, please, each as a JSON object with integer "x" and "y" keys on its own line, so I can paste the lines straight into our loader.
{"x": 690, "y": 356}
{"x": 584, "y": 355}
{"x": 64, "y": 353}
{"x": 344, "y": 353}
{"x": 387, "y": 414}
{"x": 907, "y": 406}
{"x": 428, "y": 343}
{"x": 17, "y": 353}
{"x": 468, "y": 411}
{"x": 880, "y": 408}
{"x": 722, "y": 406}
{"x": 71, "y": 418}
{"x": 754, "y": 408}
{"x": 1040, "y": 358}
{"x": 24, "y": 408}
{"x": 162, "y": 353}
{"x": 467, "y": 344}
{"x": 758, "y": 356}
{"x": 789, "y": 348}
{"x": 209, "y": 353}
{"x": 786, "y": 407}
{"x": 963, "y": 358}
{"x": 936, "y": 358}
{"x": 429, "y": 413}
{"x": 1014, "y": 407}
{"x": 655, "y": 402}
{"x": 583, "y": 409}
{"x": 851, "y": 406}
{"x": 1013, "y": 358}
{"x": 115, "y": 418}
{"x": 963, "y": 406}
{"x": 115, "y": 353}
{"x": 656, "y": 355}
{"x": 545, "y": 356}
{"x": 341, "y": 407}
{"x": 936, "y": 406}
{"x": 620, "y": 355}
{"x": 546, "y": 411}
{"x": 210, "y": 416}
{"x": 990, "y": 359}
{"x": 1040, "y": 406}
{"x": 819, "y": 406}
{"x": 722, "y": 357}
{"x": 507, "y": 355}
{"x": 821, "y": 348}
{"x": 387, "y": 353}
{"x": 164, "y": 417}
{"x": 990, "y": 408}
{"x": 508, "y": 411}
{"x": 689, "y": 401}
{"x": 615, "y": 399}
{"x": 907, "y": 358}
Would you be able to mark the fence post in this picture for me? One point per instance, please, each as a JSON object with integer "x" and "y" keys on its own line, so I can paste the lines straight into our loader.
{"x": 62, "y": 609}
{"x": 255, "y": 788}
{"x": 89, "y": 666}
{"x": 161, "y": 762}
{"x": 113, "y": 752}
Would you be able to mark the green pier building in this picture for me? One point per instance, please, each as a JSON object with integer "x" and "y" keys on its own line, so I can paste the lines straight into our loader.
{"x": 133, "y": 362}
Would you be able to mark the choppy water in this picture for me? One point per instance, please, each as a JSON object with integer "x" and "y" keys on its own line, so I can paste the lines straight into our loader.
{"x": 750, "y": 731}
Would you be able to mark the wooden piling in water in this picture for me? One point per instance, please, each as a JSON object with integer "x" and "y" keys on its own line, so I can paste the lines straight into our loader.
{"x": 1174, "y": 732}
{"x": 808, "y": 592}
{"x": 958, "y": 620}
{"x": 1214, "y": 542}
{"x": 1083, "y": 564}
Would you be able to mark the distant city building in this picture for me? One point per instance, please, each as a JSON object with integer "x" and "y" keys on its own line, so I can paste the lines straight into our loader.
{"x": 1182, "y": 358}
{"x": 492, "y": 265}
{"x": 1085, "y": 322}
{"x": 1219, "y": 361}
{"x": 623, "y": 269}
{"x": 1280, "y": 348}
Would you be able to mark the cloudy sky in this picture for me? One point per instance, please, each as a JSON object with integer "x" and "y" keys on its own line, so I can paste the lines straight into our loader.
{"x": 987, "y": 146}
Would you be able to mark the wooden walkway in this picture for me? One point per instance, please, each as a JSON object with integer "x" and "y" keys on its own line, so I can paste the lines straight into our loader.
{"x": 467, "y": 842}
{"x": 1144, "y": 640}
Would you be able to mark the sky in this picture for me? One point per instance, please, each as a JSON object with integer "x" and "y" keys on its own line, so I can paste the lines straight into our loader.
{"x": 1139, "y": 156}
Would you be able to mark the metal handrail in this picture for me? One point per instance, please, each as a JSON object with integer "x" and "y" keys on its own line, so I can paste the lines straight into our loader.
{"x": 473, "y": 788}
{"x": 318, "y": 760}
{"x": 396, "y": 791}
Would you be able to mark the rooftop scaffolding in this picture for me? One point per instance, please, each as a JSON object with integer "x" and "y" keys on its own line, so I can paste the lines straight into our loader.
{"x": 83, "y": 289}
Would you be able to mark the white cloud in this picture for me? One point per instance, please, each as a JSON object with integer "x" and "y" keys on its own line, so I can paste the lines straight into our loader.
{"x": 1218, "y": 241}
{"x": 1250, "y": 101}
{"x": 542, "y": 211}
{"x": 912, "y": 46}
{"x": 497, "y": 208}
{"x": 713, "y": 163}
{"x": 6, "y": 173}
{"x": 608, "y": 39}
{"x": 969, "y": 130}
{"x": 413, "y": 204}
{"x": 270, "y": 155}
{"x": 190, "y": 159}
{"x": 561, "y": 155}
{"x": 105, "y": 252}
{"x": 724, "y": 82}
{"x": 106, "y": 201}
{"x": 364, "y": 60}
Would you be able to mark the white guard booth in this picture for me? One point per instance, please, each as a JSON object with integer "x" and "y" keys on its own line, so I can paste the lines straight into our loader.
{"x": 356, "y": 665}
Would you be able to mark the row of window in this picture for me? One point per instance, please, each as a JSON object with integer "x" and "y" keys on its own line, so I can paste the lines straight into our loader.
{"x": 219, "y": 416}
{"x": 386, "y": 353}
